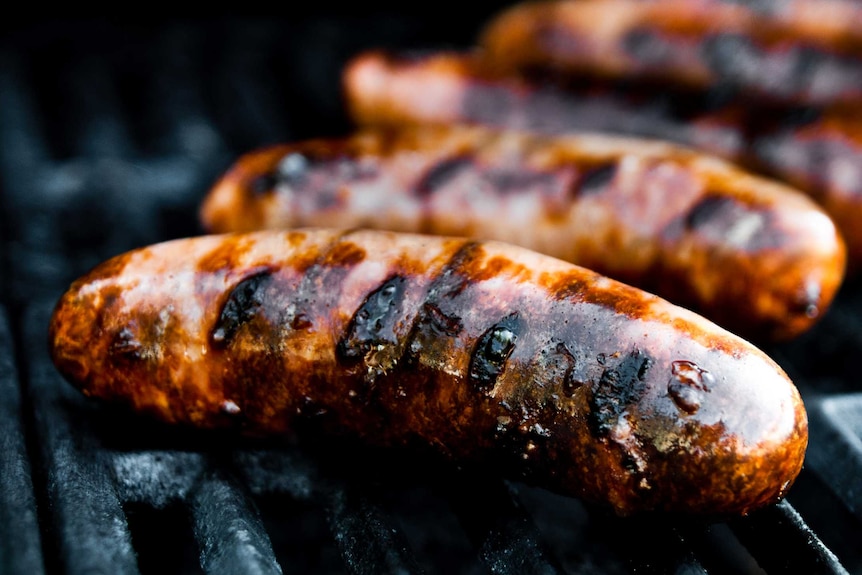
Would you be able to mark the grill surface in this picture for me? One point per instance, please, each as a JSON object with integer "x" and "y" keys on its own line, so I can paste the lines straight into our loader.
{"x": 109, "y": 136}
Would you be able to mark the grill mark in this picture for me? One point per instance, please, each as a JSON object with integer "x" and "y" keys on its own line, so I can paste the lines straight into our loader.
{"x": 373, "y": 324}
{"x": 732, "y": 56}
{"x": 729, "y": 220}
{"x": 262, "y": 185}
{"x": 332, "y": 259}
{"x": 492, "y": 350}
{"x": 708, "y": 209}
{"x": 595, "y": 180}
{"x": 648, "y": 47}
{"x": 518, "y": 178}
{"x": 441, "y": 174}
{"x": 241, "y": 305}
{"x": 432, "y": 321}
{"x": 618, "y": 388}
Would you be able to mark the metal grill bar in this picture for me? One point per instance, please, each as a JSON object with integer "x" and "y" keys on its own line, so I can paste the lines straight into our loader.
{"x": 506, "y": 538}
{"x": 790, "y": 546}
{"x": 20, "y": 541}
{"x": 836, "y": 428}
{"x": 369, "y": 540}
{"x": 229, "y": 530}
{"x": 88, "y": 530}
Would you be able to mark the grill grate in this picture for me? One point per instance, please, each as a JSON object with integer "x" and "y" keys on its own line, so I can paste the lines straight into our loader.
{"x": 109, "y": 136}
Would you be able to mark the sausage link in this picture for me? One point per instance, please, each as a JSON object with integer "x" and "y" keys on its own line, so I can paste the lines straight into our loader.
{"x": 700, "y": 45}
{"x": 754, "y": 256}
{"x": 481, "y": 352}
{"x": 817, "y": 150}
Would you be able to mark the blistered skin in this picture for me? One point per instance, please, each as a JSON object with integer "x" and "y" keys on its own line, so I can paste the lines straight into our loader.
{"x": 696, "y": 44}
{"x": 484, "y": 352}
{"x": 818, "y": 151}
{"x": 756, "y": 257}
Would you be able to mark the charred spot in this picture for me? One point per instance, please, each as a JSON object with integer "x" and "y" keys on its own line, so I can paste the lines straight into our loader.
{"x": 729, "y": 220}
{"x": 707, "y": 210}
{"x": 518, "y": 178}
{"x": 647, "y": 46}
{"x": 732, "y": 56}
{"x": 800, "y": 117}
{"x": 595, "y": 180}
{"x": 241, "y": 306}
{"x": 492, "y": 350}
{"x": 262, "y": 184}
{"x": 373, "y": 324}
{"x": 619, "y": 387}
{"x": 453, "y": 277}
{"x": 441, "y": 174}
{"x": 764, "y": 7}
{"x": 433, "y": 325}
{"x": 806, "y": 61}
{"x": 568, "y": 365}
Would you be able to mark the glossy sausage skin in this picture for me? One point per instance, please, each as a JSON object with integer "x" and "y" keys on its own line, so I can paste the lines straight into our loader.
{"x": 817, "y": 150}
{"x": 695, "y": 44}
{"x": 484, "y": 352}
{"x": 756, "y": 257}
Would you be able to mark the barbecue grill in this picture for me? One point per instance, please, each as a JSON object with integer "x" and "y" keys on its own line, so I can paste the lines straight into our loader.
{"x": 110, "y": 133}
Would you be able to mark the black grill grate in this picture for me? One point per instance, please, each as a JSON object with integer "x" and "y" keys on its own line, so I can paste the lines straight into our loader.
{"x": 109, "y": 136}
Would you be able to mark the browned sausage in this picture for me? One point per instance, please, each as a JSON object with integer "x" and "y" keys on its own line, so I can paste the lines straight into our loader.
{"x": 817, "y": 150}
{"x": 754, "y": 256}
{"x": 820, "y": 16}
{"x": 485, "y": 352}
{"x": 792, "y": 58}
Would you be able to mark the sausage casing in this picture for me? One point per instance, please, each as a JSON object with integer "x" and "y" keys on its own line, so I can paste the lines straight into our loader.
{"x": 752, "y": 255}
{"x": 482, "y": 351}
{"x": 792, "y": 58}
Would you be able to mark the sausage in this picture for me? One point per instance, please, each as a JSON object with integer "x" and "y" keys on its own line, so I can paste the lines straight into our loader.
{"x": 789, "y": 59}
{"x": 754, "y": 256}
{"x": 476, "y": 352}
{"x": 817, "y": 150}
{"x": 386, "y": 88}
{"x": 817, "y": 15}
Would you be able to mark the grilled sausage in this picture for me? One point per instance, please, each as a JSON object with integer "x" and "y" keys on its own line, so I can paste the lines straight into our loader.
{"x": 384, "y": 88}
{"x": 754, "y": 256}
{"x": 696, "y": 44}
{"x": 483, "y": 352}
{"x": 817, "y": 150}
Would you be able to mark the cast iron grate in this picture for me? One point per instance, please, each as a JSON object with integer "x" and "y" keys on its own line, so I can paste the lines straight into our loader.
{"x": 109, "y": 136}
